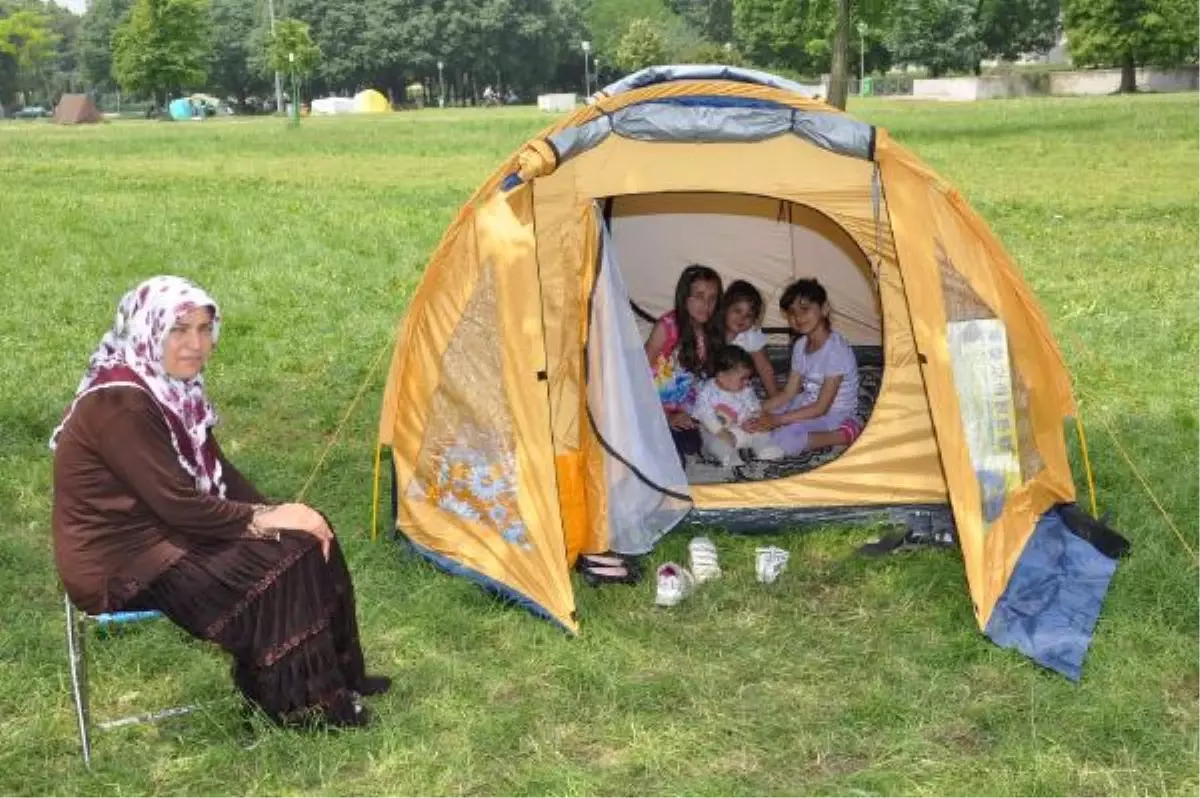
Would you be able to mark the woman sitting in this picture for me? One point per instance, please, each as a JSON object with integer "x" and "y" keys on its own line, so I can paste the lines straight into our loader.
{"x": 150, "y": 515}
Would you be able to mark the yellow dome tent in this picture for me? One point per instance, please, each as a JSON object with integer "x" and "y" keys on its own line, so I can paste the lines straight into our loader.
{"x": 370, "y": 101}
{"x": 515, "y": 405}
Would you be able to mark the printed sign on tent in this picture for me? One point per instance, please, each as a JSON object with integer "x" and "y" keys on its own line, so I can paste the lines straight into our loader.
{"x": 983, "y": 380}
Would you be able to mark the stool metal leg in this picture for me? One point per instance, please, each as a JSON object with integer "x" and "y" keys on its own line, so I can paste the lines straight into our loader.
{"x": 77, "y": 657}
{"x": 77, "y": 626}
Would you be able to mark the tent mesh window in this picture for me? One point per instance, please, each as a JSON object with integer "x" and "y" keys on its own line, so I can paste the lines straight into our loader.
{"x": 467, "y": 463}
{"x": 1031, "y": 458}
{"x": 993, "y": 396}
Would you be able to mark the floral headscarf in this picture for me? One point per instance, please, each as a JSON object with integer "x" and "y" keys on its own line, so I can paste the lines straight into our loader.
{"x": 131, "y": 354}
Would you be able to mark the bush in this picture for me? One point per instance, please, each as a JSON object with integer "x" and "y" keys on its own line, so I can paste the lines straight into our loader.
{"x": 711, "y": 53}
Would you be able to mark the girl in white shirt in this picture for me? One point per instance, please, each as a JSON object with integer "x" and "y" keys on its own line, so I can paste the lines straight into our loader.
{"x": 817, "y": 407}
{"x": 741, "y": 319}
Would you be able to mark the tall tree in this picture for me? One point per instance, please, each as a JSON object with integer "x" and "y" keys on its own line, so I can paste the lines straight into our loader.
{"x": 939, "y": 35}
{"x": 567, "y": 25}
{"x": 28, "y": 46}
{"x": 233, "y": 70}
{"x": 1131, "y": 33}
{"x": 608, "y": 20}
{"x": 340, "y": 28}
{"x": 389, "y": 43}
{"x": 94, "y": 46}
{"x": 692, "y": 11}
{"x": 642, "y": 45}
{"x": 772, "y": 33}
{"x": 711, "y": 19}
{"x": 1009, "y": 29}
{"x": 291, "y": 52}
{"x": 291, "y": 49}
{"x": 713, "y": 53}
{"x": 717, "y": 22}
{"x": 839, "y": 77}
{"x": 163, "y": 47}
{"x": 62, "y": 73}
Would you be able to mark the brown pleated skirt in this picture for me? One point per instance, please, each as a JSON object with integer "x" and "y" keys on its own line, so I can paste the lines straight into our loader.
{"x": 285, "y": 615}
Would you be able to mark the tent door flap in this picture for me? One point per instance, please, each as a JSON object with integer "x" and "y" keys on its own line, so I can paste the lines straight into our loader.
{"x": 646, "y": 486}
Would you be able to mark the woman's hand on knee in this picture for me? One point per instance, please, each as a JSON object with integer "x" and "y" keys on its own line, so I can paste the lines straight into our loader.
{"x": 300, "y": 518}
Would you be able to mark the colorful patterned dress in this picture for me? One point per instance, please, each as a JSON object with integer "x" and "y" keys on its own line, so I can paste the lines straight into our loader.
{"x": 676, "y": 385}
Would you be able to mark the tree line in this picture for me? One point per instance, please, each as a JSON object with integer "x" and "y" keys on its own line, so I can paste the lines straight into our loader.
{"x": 158, "y": 48}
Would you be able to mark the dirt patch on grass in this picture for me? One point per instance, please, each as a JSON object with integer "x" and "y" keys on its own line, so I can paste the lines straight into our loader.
{"x": 830, "y": 764}
{"x": 1183, "y": 699}
{"x": 599, "y": 754}
{"x": 960, "y": 737}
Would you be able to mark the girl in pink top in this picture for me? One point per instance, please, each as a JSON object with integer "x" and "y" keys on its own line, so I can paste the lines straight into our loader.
{"x": 680, "y": 350}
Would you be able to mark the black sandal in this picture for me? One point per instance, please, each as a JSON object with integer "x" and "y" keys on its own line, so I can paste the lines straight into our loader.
{"x": 605, "y": 560}
{"x": 597, "y": 570}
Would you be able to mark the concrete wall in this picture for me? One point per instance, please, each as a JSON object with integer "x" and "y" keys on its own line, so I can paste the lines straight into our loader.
{"x": 945, "y": 88}
{"x": 1107, "y": 81}
{"x": 985, "y": 88}
{"x": 556, "y": 103}
{"x": 1093, "y": 81}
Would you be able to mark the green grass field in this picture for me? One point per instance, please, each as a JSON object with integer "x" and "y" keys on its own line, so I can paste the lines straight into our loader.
{"x": 847, "y": 677}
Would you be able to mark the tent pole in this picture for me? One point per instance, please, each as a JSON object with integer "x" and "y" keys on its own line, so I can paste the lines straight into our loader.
{"x": 1087, "y": 461}
{"x": 375, "y": 495}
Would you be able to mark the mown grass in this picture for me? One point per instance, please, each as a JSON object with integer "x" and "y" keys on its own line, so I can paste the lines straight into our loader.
{"x": 846, "y": 677}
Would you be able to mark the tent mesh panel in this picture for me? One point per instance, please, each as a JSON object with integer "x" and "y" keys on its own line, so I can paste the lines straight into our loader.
{"x": 1031, "y": 458}
{"x": 467, "y": 463}
{"x": 962, "y": 303}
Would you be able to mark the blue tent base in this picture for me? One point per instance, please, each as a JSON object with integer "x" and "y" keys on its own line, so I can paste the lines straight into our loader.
{"x": 1049, "y": 609}
{"x": 497, "y": 589}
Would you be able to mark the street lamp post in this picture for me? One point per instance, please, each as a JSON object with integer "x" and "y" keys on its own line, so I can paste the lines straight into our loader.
{"x": 295, "y": 91}
{"x": 441, "y": 86}
{"x": 278, "y": 79}
{"x": 587, "y": 77}
{"x": 862, "y": 58}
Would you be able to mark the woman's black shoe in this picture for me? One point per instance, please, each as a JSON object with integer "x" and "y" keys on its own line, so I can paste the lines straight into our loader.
{"x": 374, "y": 685}
{"x": 597, "y": 570}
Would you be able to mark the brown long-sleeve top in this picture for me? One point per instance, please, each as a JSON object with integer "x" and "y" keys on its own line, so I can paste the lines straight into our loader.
{"x": 124, "y": 508}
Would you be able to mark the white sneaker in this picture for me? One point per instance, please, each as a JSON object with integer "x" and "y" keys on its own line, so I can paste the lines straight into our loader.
{"x": 674, "y": 583}
{"x": 769, "y": 563}
{"x": 702, "y": 557}
{"x": 771, "y": 452}
{"x": 732, "y": 461}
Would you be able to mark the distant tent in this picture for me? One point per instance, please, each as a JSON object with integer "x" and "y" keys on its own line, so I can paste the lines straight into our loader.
{"x": 75, "y": 109}
{"x": 332, "y": 105}
{"x": 371, "y": 102}
{"x": 181, "y": 109}
{"x": 207, "y": 104}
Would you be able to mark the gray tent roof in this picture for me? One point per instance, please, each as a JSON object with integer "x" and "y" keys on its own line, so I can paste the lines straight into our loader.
{"x": 669, "y": 72}
{"x": 704, "y": 118}
{"x": 695, "y": 121}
